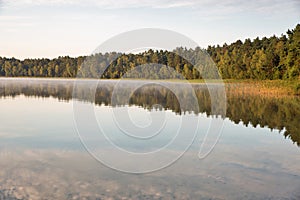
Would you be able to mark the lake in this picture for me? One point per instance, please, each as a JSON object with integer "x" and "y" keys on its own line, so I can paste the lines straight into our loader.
{"x": 88, "y": 139}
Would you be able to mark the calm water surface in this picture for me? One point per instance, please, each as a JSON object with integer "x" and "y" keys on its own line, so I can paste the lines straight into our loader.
{"x": 42, "y": 156}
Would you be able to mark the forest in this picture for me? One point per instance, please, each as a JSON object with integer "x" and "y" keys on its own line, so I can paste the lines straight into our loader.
{"x": 262, "y": 59}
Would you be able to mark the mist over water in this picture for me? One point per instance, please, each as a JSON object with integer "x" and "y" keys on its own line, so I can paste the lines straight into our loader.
{"x": 257, "y": 156}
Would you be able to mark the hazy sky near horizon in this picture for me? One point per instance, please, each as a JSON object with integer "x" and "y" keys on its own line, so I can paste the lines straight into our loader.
{"x": 52, "y": 28}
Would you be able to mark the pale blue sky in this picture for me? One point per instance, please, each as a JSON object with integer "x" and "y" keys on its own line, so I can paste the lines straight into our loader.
{"x": 51, "y": 28}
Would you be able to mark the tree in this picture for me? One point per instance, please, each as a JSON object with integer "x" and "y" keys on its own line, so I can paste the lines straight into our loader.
{"x": 7, "y": 68}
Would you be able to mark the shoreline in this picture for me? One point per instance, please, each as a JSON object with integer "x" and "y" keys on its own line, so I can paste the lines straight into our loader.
{"x": 238, "y": 86}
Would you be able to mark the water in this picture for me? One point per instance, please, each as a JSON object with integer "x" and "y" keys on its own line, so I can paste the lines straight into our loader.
{"x": 42, "y": 156}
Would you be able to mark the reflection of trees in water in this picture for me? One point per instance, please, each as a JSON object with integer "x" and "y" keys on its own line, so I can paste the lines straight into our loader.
{"x": 275, "y": 113}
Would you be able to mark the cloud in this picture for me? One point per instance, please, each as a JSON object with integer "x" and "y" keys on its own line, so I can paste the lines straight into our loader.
{"x": 13, "y": 17}
{"x": 107, "y": 3}
{"x": 207, "y": 10}
{"x": 237, "y": 5}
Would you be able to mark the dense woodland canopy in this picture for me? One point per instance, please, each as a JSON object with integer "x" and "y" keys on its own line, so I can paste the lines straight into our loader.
{"x": 265, "y": 58}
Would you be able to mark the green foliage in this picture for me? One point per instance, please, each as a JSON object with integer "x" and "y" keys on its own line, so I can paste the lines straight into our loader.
{"x": 266, "y": 58}
{"x": 263, "y": 59}
{"x": 297, "y": 89}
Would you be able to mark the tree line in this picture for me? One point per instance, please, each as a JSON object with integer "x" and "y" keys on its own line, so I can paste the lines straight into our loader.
{"x": 265, "y": 58}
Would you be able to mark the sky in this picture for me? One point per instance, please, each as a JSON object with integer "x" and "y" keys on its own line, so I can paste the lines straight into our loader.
{"x": 52, "y": 28}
